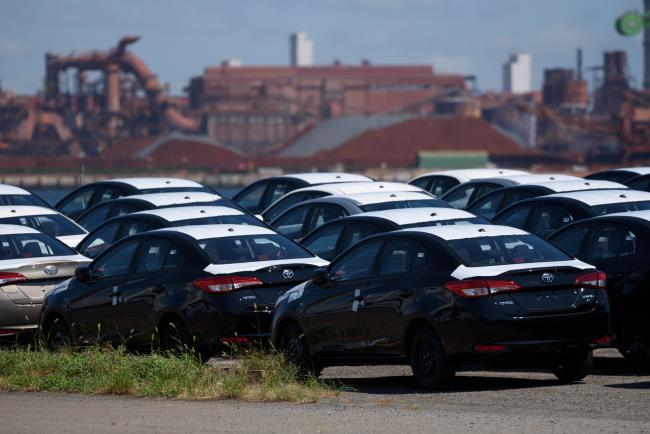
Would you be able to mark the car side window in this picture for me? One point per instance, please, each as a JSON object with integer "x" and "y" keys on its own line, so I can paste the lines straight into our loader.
{"x": 403, "y": 257}
{"x": 174, "y": 259}
{"x": 323, "y": 243}
{"x": 516, "y": 217}
{"x": 442, "y": 185}
{"x": 325, "y": 213}
{"x": 133, "y": 227}
{"x": 122, "y": 209}
{"x": 152, "y": 256}
{"x": 459, "y": 198}
{"x": 292, "y": 223}
{"x": 77, "y": 203}
{"x": 100, "y": 241}
{"x": 356, "y": 232}
{"x": 571, "y": 240}
{"x": 252, "y": 199}
{"x": 423, "y": 183}
{"x": 546, "y": 219}
{"x": 487, "y": 206}
{"x": 116, "y": 262}
{"x": 107, "y": 193}
{"x": 612, "y": 241}
{"x": 357, "y": 263}
{"x": 278, "y": 190}
{"x": 95, "y": 217}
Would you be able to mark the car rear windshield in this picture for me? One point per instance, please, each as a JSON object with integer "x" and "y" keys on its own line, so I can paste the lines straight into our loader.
{"x": 240, "y": 219}
{"x": 52, "y": 224}
{"x": 621, "y": 207}
{"x": 250, "y": 248}
{"x": 507, "y": 249}
{"x": 465, "y": 221}
{"x": 18, "y": 246}
{"x": 398, "y": 204}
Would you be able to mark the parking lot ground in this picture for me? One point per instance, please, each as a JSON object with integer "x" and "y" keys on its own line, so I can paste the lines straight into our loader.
{"x": 378, "y": 399}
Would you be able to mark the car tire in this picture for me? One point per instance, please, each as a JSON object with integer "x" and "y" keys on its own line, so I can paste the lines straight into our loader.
{"x": 293, "y": 344}
{"x": 174, "y": 337}
{"x": 573, "y": 366}
{"x": 634, "y": 341}
{"x": 431, "y": 367}
{"x": 58, "y": 335}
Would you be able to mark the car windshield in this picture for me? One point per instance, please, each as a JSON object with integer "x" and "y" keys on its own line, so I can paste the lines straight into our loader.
{"x": 240, "y": 219}
{"x": 464, "y": 221}
{"x": 18, "y": 246}
{"x": 398, "y": 204}
{"x": 52, "y": 224}
{"x": 611, "y": 208}
{"x": 250, "y": 248}
{"x": 507, "y": 249}
{"x": 22, "y": 199}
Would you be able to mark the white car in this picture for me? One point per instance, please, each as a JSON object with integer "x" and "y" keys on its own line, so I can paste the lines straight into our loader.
{"x": 31, "y": 263}
{"x": 259, "y": 195}
{"x": 343, "y": 188}
{"x": 45, "y": 220}
{"x": 11, "y": 195}
{"x": 441, "y": 182}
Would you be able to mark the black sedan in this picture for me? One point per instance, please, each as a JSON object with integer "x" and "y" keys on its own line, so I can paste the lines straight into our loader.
{"x": 99, "y": 213}
{"x": 619, "y": 245}
{"x": 192, "y": 286}
{"x": 84, "y": 197}
{"x": 303, "y": 218}
{"x": 446, "y": 296}
{"x": 120, "y": 227}
{"x": 544, "y": 215}
{"x": 621, "y": 175}
{"x": 334, "y": 237}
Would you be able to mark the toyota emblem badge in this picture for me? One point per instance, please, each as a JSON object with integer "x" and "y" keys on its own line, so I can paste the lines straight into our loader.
{"x": 287, "y": 274}
{"x": 51, "y": 270}
{"x": 548, "y": 278}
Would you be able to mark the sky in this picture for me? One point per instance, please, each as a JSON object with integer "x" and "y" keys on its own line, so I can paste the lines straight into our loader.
{"x": 180, "y": 38}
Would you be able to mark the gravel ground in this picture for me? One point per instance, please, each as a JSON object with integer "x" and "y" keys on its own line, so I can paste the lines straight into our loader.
{"x": 381, "y": 399}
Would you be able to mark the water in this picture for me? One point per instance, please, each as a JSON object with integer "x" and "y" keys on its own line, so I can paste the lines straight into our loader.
{"x": 53, "y": 195}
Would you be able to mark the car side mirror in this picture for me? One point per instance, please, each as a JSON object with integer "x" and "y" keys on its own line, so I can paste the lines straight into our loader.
{"x": 83, "y": 274}
{"x": 320, "y": 277}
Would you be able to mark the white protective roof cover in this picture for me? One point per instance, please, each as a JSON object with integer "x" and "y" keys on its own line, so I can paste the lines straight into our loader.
{"x": 176, "y": 198}
{"x": 10, "y": 189}
{"x": 202, "y": 232}
{"x": 357, "y": 187}
{"x": 151, "y": 182}
{"x": 638, "y": 170}
{"x": 579, "y": 185}
{"x": 465, "y": 175}
{"x": 641, "y": 215}
{"x": 604, "y": 197}
{"x": 541, "y": 177}
{"x": 407, "y": 216}
{"x": 24, "y": 210}
{"x": 461, "y": 232}
{"x": 377, "y": 197}
{"x": 190, "y": 212}
{"x": 327, "y": 177}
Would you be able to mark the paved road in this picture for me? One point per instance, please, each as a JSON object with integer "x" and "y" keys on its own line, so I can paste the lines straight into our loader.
{"x": 384, "y": 399}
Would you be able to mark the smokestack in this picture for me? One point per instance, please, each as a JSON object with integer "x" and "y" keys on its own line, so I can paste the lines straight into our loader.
{"x": 579, "y": 64}
{"x": 646, "y": 50}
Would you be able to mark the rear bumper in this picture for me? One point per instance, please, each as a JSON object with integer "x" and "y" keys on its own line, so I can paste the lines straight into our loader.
{"x": 18, "y": 316}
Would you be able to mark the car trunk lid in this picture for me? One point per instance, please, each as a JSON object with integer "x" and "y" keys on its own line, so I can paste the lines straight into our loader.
{"x": 40, "y": 278}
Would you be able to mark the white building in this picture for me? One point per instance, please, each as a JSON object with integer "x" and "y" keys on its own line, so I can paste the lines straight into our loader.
{"x": 302, "y": 49}
{"x": 517, "y": 73}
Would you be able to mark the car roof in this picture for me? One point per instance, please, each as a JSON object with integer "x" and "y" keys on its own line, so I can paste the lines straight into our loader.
{"x": 17, "y": 229}
{"x": 539, "y": 177}
{"x": 643, "y": 170}
{"x": 189, "y": 212}
{"x": 24, "y": 210}
{"x": 357, "y": 187}
{"x": 382, "y": 196}
{"x": 407, "y": 216}
{"x": 326, "y": 177}
{"x": 602, "y": 197}
{"x": 579, "y": 185}
{"x": 11, "y": 189}
{"x": 202, "y": 232}
{"x": 173, "y": 198}
{"x": 464, "y": 175}
{"x": 462, "y": 232}
{"x": 154, "y": 182}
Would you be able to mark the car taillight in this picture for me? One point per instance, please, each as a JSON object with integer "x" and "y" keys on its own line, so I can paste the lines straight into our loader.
{"x": 597, "y": 279}
{"x": 214, "y": 285}
{"x": 481, "y": 287}
{"x": 8, "y": 278}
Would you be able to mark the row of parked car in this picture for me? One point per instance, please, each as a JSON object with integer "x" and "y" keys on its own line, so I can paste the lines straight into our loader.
{"x": 454, "y": 268}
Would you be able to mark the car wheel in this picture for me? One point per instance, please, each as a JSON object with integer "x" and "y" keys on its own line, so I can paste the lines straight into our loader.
{"x": 634, "y": 341}
{"x": 174, "y": 337}
{"x": 573, "y": 366}
{"x": 430, "y": 365}
{"x": 293, "y": 344}
{"x": 58, "y": 335}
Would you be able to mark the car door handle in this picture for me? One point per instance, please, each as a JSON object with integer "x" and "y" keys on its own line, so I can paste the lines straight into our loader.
{"x": 406, "y": 293}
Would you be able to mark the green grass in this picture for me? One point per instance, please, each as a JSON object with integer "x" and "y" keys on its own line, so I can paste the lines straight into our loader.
{"x": 257, "y": 376}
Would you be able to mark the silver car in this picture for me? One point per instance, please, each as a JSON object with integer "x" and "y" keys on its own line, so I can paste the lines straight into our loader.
{"x": 31, "y": 263}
